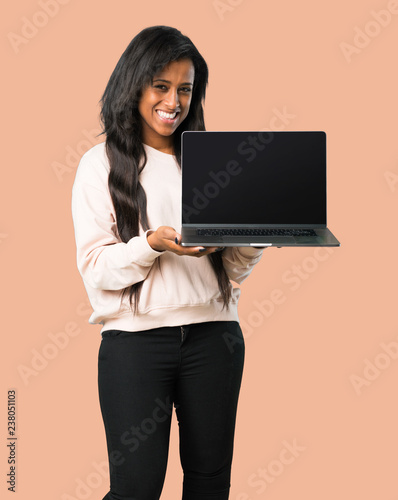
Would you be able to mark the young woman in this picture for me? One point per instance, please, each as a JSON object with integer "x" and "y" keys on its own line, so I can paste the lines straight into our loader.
{"x": 170, "y": 326}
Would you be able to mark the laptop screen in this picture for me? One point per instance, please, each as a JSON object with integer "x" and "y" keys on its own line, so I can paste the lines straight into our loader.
{"x": 254, "y": 178}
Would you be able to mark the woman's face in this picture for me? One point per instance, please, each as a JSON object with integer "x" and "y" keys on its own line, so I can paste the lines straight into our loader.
{"x": 165, "y": 102}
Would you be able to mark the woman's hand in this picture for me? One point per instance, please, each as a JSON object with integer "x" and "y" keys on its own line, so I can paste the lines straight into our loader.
{"x": 167, "y": 238}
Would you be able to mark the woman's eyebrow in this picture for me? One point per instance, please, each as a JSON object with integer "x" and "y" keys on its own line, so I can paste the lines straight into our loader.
{"x": 167, "y": 81}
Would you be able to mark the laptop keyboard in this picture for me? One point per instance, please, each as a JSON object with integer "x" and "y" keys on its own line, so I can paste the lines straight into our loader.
{"x": 255, "y": 232}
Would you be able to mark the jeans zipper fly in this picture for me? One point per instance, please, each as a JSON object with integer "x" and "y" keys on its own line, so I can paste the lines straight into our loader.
{"x": 182, "y": 333}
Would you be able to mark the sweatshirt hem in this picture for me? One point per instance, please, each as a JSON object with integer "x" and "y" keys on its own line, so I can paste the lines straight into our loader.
{"x": 176, "y": 316}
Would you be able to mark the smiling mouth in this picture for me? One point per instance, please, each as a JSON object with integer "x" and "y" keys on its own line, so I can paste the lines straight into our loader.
{"x": 167, "y": 117}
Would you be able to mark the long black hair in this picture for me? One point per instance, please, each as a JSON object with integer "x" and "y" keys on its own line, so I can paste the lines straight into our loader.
{"x": 146, "y": 55}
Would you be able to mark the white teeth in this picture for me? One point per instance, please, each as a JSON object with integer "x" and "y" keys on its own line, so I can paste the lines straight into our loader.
{"x": 168, "y": 116}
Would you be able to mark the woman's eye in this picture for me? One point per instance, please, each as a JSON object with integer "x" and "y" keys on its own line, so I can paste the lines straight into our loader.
{"x": 185, "y": 90}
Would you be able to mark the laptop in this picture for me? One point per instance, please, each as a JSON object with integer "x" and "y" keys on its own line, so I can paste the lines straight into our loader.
{"x": 254, "y": 189}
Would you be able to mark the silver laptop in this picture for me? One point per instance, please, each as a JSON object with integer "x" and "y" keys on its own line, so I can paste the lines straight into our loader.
{"x": 254, "y": 189}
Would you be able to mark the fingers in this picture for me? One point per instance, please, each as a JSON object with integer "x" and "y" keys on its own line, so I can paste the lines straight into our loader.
{"x": 171, "y": 240}
{"x": 201, "y": 251}
{"x": 177, "y": 238}
{"x": 193, "y": 251}
{"x": 174, "y": 245}
{"x": 204, "y": 250}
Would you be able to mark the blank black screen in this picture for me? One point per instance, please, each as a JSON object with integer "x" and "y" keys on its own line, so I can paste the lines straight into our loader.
{"x": 254, "y": 178}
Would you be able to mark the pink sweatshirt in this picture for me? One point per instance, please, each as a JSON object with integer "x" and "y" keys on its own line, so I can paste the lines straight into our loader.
{"x": 185, "y": 291}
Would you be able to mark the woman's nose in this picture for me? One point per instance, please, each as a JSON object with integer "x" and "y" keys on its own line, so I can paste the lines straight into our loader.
{"x": 171, "y": 99}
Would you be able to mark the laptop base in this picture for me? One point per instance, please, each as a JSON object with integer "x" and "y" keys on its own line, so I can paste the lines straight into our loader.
{"x": 323, "y": 238}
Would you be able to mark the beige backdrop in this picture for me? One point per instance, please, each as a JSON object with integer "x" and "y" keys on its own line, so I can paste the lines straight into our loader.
{"x": 317, "y": 416}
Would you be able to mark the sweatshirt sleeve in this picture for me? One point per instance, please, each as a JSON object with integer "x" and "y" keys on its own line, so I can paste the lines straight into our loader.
{"x": 104, "y": 262}
{"x": 240, "y": 261}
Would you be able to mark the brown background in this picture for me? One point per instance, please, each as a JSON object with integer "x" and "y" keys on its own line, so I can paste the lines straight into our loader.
{"x": 316, "y": 373}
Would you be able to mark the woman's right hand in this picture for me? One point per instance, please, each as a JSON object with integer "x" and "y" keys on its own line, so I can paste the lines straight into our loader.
{"x": 167, "y": 238}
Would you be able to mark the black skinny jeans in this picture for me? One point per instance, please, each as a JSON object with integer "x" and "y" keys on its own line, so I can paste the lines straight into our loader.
{"x": 196, "y": 367}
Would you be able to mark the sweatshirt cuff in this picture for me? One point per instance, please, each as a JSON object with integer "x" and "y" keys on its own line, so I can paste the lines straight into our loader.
{"x": 250, "y": 252}
{"x": 141, "y": 251}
